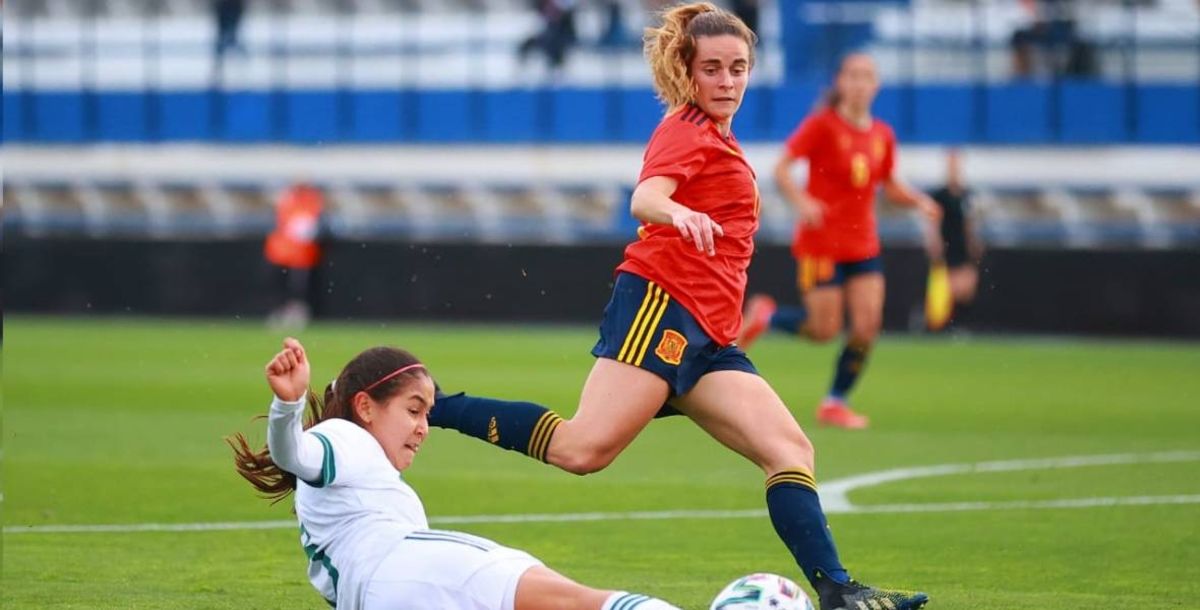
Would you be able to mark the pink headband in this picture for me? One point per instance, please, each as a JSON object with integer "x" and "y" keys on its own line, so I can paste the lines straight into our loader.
{"x": 416, "y": 365}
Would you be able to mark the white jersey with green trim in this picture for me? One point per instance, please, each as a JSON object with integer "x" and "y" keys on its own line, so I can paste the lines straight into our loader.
{"x": 352, "y": 504}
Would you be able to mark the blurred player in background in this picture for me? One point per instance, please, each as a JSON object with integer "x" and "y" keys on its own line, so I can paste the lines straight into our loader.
{"x": 955, "y": 252}
{"x": 849, "y": 154}
{"x": 227, "y": 17}
{"x": 363, "y": 528}
{"x": 293, "y": 247}
{"x": 667, "y": 337}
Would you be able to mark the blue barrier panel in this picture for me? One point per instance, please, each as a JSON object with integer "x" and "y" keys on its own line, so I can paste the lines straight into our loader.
{"x": 890, "y": 106}
{"x": 1168, "y": 113}
{"x": 185, "y": 115}
{"x": 1017, "y": 113}
{"x": 792, "y": 104}
{"x": 312, "y": 117}
{"x": 121, "y": 116}
{"x": 58, "y": 116}
{"x": 623, "y": 221}
{"x": 1092, "y": 112}
{"x": 1012, "y": 113}
{"x": 580, "y": 115}
{"x": 511, "y": 116}
{"x": 943, "y": 114}
{"x": 444, "y": 116}
{"x": 376, "y": 116}
{"x": 14, "y": 126}
{"x": 754, "y": 115}
{"x": 248, "y": 116}
{"x": 640, "y": 114}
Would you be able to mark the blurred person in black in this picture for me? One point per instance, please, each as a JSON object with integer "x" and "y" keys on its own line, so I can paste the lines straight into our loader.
{"x": 958, "y": 248}
{"x": 228, "y": 16}
{"x": 557, "y": 35}
{"x": 1051, "y": 44}
{"x": 747, "y": 11}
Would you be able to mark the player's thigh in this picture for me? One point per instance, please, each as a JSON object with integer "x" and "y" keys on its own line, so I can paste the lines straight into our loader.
{"x": 541, "y": 588}
{"x": 825, "y": 305}
{"x": 444, "y": 570}
{"x": 964, "y": 279}
{"x": 741, "y": 411}
{"x": 864, "y": 300}
{"x": 617, "y": 402}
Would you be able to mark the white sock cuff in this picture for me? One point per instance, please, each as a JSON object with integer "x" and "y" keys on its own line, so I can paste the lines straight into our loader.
{"x": 622, "y": 600}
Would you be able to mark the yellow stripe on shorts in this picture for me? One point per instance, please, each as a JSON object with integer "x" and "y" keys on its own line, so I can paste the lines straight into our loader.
{"x": 636, "y": 319}
{"x": 640, "y": 323}
{"x": 662, "y": 308}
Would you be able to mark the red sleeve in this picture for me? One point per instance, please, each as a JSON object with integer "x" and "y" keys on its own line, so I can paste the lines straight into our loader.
{"x": 677, "y": 150}
{"x": 807, "y": 137}
{"x": 889, "y": 156}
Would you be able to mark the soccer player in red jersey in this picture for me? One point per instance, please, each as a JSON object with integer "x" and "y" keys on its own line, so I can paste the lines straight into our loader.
{"x": 838, "y": 269}
{"x": 667, "y": 338}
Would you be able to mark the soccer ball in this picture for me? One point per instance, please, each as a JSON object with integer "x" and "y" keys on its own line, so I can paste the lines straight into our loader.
{"x": 762, "y": 592}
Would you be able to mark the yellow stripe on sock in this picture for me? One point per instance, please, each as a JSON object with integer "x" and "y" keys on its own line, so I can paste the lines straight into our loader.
{"x": 535, "y": 436}
{"x": 538, "y": 436}
{"x": 549, "y": 436}
{"x": 662, "y": 308}
{"x": 798, "y": 476}
{"x": 796, "y": 481}
{"x": 636, "y": 320}
{"x": 802, "y": 474}
{"x": 640, "y": 328}
{"x": 543, "y": 430}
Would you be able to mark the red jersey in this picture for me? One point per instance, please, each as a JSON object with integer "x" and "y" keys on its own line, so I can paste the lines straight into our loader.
{"x": 293, "y": 243}
{"x": 845, "y": 166}
{"x": 713, "y": 177}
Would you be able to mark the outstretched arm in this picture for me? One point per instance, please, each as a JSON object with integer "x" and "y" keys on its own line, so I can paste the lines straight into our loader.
{"x": 292, "y": 450}
{"x": 901, "y": 193}
{"x": 652, "y": 203}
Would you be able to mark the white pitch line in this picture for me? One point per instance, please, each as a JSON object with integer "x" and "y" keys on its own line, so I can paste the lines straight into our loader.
{"x": 663, "y": 515}
{"x": 123, "y": 528}
{"x": 833, "y": 496}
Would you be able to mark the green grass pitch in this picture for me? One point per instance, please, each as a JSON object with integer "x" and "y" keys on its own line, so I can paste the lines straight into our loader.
{"x": 121, "y": 422}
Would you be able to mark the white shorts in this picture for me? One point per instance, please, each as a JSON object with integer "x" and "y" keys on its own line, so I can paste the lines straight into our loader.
{"x": 441, "y": 570}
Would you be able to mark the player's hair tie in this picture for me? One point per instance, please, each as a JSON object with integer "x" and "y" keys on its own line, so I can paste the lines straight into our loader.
{"x": 393, "y": 374}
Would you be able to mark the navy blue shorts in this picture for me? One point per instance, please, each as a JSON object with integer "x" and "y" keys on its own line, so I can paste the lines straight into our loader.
{"x": 819, "y": 272}
{"x": 645, "y": 327}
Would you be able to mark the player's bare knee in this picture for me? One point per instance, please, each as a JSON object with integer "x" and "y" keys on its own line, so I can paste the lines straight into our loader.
{"x": 823, "y": 333}
{"x": 586, "y": 460}
{"x": 788, "y": 451}
{"x": 864, "y": 337}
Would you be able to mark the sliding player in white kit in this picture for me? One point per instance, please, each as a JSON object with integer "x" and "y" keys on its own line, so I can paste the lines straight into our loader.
{"x": 363, "y": 528}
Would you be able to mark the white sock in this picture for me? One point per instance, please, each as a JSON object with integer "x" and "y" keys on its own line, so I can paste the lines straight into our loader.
{"x": 622, "y": 600}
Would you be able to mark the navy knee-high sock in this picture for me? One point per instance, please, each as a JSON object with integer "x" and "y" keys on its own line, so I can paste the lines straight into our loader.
{"x": 517, "y": 426}
{"x": 796, "y": 513}
{"x": 789, "y": 319}
{"x": 849, "y": 366}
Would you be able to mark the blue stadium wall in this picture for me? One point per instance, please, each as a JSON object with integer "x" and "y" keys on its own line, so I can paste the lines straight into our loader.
{"x": 1066, "y": 112}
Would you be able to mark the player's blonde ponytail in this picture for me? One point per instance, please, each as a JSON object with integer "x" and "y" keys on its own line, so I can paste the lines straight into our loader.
{"x": 670, "y": 48}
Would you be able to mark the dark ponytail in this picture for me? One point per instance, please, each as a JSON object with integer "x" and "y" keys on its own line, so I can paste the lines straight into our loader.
{"x": 372, "y": 371}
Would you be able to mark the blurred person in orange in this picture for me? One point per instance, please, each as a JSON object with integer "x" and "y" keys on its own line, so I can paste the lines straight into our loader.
{"x": 294, "y": 248}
